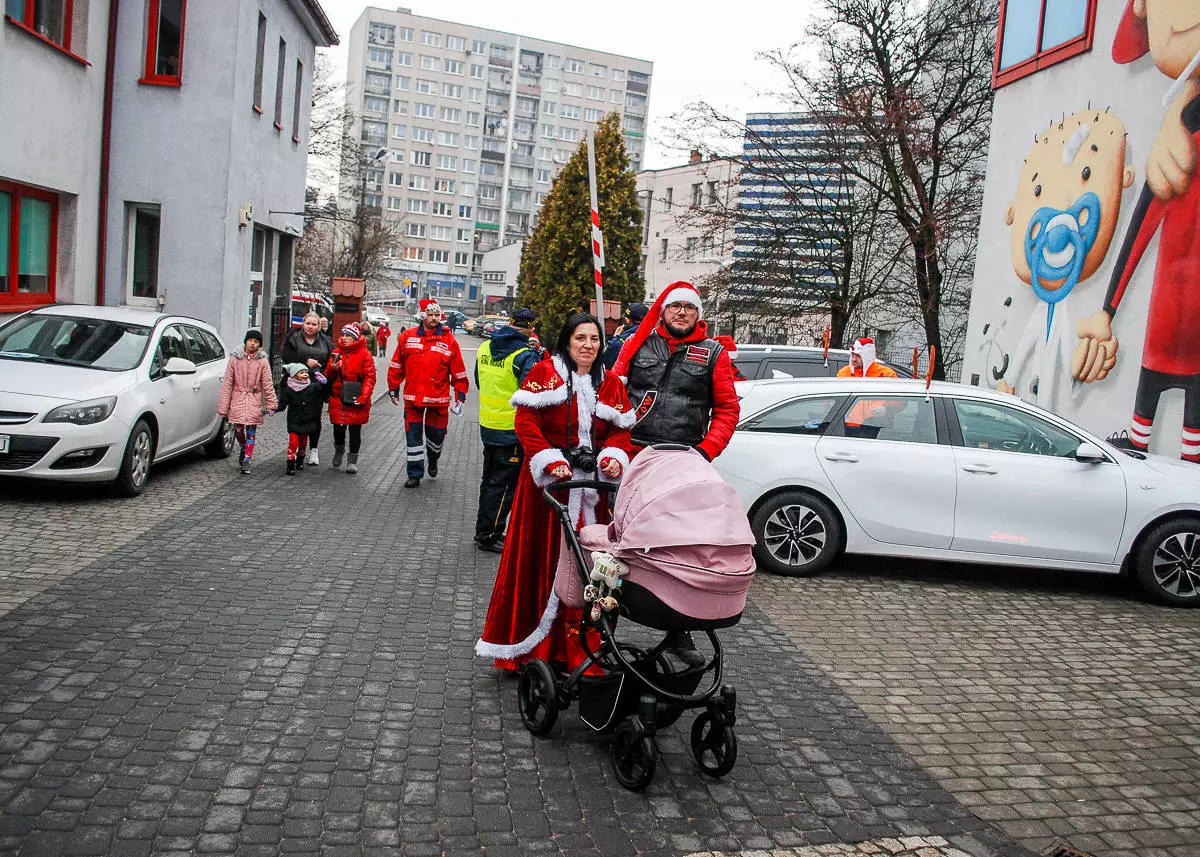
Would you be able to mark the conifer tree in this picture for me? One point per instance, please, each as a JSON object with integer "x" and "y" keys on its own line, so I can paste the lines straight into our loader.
{"x": 556, "y": 274}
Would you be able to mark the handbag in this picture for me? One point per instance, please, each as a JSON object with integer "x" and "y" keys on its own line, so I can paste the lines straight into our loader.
{"x": 351, "y": 390}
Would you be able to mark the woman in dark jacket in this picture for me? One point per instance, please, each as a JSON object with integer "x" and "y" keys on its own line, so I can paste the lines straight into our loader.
{"x": 311, "y": 348}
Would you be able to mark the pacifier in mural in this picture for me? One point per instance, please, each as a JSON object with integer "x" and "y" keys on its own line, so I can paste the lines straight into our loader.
{"x": 1057, "y": 244}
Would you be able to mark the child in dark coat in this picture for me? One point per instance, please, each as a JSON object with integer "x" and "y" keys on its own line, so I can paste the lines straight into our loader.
{"x": 302, "y": 396}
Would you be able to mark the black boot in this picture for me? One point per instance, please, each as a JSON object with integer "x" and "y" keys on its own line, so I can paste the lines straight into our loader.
{"x": 431, "y": 467}
{"x": 682, "y": 646}
{"x": 291, "y": 468}
{"x": 338, "y": 452}
{"x": 412, "y": 482}
{"x": 299, "y": 463}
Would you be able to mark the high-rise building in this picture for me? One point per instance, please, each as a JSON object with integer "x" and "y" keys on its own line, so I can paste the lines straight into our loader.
{"x": 477, "y": 123}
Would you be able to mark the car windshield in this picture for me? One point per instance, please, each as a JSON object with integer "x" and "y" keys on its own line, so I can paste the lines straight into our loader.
{"x": 93, "y": 343}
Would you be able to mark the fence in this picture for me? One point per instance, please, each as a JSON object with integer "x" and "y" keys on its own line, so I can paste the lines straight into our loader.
{"x": 902, "y": 358}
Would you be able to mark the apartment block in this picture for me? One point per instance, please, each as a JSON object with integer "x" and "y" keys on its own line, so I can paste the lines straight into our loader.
{"x": 477, "y": 124}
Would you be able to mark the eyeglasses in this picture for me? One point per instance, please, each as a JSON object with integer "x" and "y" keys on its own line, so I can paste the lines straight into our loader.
{"x": 682, "y": 307}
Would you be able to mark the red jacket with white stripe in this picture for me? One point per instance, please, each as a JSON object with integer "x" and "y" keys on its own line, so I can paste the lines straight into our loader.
{"x": 427, "y": 364}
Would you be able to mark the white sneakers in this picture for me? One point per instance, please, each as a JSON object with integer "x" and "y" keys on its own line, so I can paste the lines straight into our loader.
{"x": 312, "y": 457}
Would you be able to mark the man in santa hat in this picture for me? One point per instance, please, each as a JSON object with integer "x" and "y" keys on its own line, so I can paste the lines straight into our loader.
{"x": 863, "y": 363}
{"x": 428, "y": 362}
{"x": 681, "y": 383}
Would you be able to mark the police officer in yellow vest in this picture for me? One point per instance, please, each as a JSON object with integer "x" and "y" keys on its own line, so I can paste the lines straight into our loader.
{"x": 500, "y": 366}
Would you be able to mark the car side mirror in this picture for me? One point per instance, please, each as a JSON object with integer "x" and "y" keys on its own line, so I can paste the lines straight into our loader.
{"x": 1089, "y": 453}
{"x": 179, "y": 366}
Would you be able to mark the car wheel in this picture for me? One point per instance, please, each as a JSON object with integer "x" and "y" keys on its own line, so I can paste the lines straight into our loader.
{"x": 221, "y": 446}
{"x": 135, "y": 466}
{"x": 1167, "y": 564}
{"x": 797, "y": 534}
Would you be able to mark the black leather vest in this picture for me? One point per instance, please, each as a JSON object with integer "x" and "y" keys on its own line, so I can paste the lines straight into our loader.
{"x": 672, "y": 393}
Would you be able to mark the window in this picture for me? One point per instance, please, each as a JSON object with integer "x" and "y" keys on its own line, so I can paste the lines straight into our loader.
{"x": 451, "y": 90}
{"x": 690, "y": 247}
{"x": 418, "y": 206}
{"x": 429, "y": 63}
{"x": 451, "y": 114}
{"x": 400, "y": 107}
{"x": 596, "y": 93}
{"x": 443, "y": 186}
{"x": 561, "y": 156}
{"x": 280, "y": 70}
{"x": 467, "y": 189}
{"x": 473, "y": 118}
{"x": 402, "y": 83}
{"x": 462, "y": 236}
{"x": 395, "y": 203}
{"x": 447, "y": 162}
{"x": 549, "y": 108}
{"x": 553, "y": 62}
{"x": 597, "y": 70}
{"x": 259, "y": 59}
{"x": 142, "y": 237}
{"x": 439, "y": 256}
{"x": 296, "y": 101}
{"x": 380, "y": 57}
{"x": 395, "y": 179}
{"x": 422, "y": 135}
{"x": 541, "y": 198}
{"x": 378, "y": 83}
{"x": 471, "y": 141}
{"x": 443, "y": 209}
{"x": 478, "y": 46}
{"x": 476, "y": 71}
{"x": 550, "y": 85}
{"x": 570, "y": 111}
{"x": 418, "y": 182}
{"x": 456, "y": 43}
{"x": 404, "y": 58}
{"x": 475, "y": 94}
{"x": 426, "y": 87}
{"x": 414, "y": 254}
{"x": 574, "y": 66}
{"x": 670, "y": 197}
{"x": 592, "y": 114}
{"x": 986, "y": 425}
{"x": 548, "y": 131}
{"x": 635, "y": 102}
{"x": 421, "y": 108}
{"x": 415, "y": 230}
{"x": 447, "y": 138}
{"x": 908, "y": 419}
{"x": 697, "y": 194}
{"x": 204, "y": 346}
{"x": 574, "y": 89}
{"x": 464, "y": 211}
{"x": 615, "y": 96}
{"x": 1036, "y": 34}
{"x": 712, "y": 193}
{"x": 441, "y": 233}
{"x": 803, "y": 416}
{"x": 375, "y": 103}
{"x": 433, "y": 40}
{"x": 543, "y": 176}
{"x": 164, "y": 41}
{"x": 570, "y": 135}
{"x": 421, "y": 159}
{"x": 381, "y": 34}
{"x": 488, "y": 192}
{"x": 28, "y": 245}
{"x": 468, "y": 165}
{"x": 545, "y": 153}
{"x": 461, "y": 258}
{"x": 453, "y": 66}
{"x": 618, "y": 74}
{"x": 663, "y": 249}
{"x": 50, "y": 19}
{"x": 406, "y": 34}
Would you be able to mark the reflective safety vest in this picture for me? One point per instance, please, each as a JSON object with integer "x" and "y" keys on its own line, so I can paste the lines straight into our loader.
{"x": 497, "y": 383}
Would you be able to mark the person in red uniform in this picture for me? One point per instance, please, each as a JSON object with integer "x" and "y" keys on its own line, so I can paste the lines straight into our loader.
{"x": 382, "y": 334}
{"x": 564, "y": 404}
{"x": 428, "y": 362}
{"x": 351, "y": 375}
{"x": 1169, "y": 30}
{"x": 681, "y": 382}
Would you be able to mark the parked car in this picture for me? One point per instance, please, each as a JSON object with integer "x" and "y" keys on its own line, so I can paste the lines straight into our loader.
{"x": 455, "y": 319}
{"x": 484, "y": 325}
{"x": 375, "y": 315}
{"x": 91, "y": 394}
{"x": 795, "y": 361}
{"x": 954, "y": 473}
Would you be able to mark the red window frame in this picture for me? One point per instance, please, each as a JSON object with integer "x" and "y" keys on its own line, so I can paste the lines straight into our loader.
{"x": 22, "y": 23}
{"x": 1041, "y": 59}
{"x": 12, "y": 300}
{"x": 150, "y": 73}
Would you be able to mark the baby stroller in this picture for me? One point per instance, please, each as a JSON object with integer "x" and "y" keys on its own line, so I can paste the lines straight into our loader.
{"x": 677, "y": 557}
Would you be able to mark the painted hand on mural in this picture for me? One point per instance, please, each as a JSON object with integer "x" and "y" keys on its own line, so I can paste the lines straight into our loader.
{"x": 1172, "y": 159}
{"x": 1096, "y": 353}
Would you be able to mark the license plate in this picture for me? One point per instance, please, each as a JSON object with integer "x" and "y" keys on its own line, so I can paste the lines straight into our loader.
{"x": 4, "y": 442}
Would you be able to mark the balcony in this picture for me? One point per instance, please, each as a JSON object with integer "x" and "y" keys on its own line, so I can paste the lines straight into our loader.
{"x": 643, "y": 88}
{"x": 498, "y": 157}
{"x": 529, "y": 89}
{"x": 520, "y": 160}
{"x": 525, "y": 114}
{"x": 501, "y": 62}
{"x": 521, "y": 184}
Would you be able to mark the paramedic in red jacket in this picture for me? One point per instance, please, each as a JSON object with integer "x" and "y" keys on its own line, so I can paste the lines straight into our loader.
{"x": 428, "y": 362}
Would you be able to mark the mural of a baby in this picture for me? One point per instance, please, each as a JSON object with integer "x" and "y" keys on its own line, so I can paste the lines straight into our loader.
{"x": 1064, "y": 215}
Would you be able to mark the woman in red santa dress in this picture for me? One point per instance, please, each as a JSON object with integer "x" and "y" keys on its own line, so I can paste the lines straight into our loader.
{"x": 569, "y": 402}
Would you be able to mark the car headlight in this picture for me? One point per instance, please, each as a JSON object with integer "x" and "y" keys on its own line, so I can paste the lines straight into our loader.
{"x": 83, "y": 413}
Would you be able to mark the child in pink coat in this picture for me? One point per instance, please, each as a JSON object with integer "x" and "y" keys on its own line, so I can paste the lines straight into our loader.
{"x": 247, "y": 394}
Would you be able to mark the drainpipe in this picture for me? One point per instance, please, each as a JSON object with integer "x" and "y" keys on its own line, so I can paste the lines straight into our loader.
{"x": 110, "y": 61}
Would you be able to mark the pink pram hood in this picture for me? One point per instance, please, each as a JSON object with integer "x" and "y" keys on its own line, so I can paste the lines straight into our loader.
{"x": 682, "y": 532}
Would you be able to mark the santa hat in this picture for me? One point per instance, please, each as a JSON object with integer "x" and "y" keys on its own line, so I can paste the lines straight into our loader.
{"x": 1132, "y": 40}
{"x": 677, "y": 292}
{"x": 428, "y": 305}
{"x": 353, "y": 330}
{"x": 864, "y": 347}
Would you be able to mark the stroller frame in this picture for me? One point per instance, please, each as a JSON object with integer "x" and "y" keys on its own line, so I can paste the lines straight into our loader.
{"x": 655, "y": 698}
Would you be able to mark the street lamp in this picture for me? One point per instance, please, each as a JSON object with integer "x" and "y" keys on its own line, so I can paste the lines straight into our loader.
{"x": 360, "y": 255}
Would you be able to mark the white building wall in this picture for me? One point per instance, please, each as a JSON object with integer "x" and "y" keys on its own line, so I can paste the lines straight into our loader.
{"x": 1029, "y": 107}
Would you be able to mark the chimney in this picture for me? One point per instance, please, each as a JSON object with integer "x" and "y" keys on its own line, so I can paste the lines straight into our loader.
{"x": 696, "y": 157}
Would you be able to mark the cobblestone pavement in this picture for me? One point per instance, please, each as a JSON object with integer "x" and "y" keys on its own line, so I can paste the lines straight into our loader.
{"x": 265, "y": 665}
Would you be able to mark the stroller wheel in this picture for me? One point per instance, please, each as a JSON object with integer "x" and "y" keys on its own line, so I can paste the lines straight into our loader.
{"x": 537, "y": 697}
{"x": 634, "y": 756}
{"x": 714, "y": 745}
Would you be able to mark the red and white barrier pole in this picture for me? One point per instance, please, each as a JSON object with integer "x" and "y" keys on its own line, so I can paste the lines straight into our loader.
{"x": 597, "y": 235}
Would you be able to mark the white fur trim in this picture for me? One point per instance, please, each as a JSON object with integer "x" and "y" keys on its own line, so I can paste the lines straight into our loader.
{"x": 543, "y": 399}
{"x": 611, "y": 415}
{"x": 485, "y": 649}
{"x": 682, "y": 295}
{"x": 539, "y": 462}
{"x": 617, "y": 455}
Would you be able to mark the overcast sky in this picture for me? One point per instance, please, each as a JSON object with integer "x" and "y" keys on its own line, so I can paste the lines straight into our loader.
{"x": 696, "y": 54}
